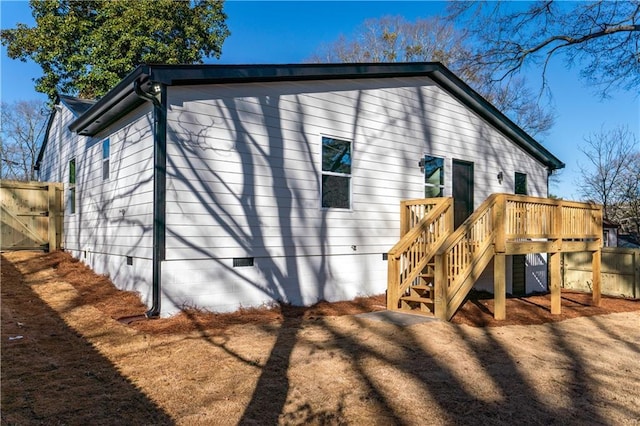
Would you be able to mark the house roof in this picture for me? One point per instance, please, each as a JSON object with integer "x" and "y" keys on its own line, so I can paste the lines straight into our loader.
{"x": 77, "y": 107}
{"x": 122, "y": 98}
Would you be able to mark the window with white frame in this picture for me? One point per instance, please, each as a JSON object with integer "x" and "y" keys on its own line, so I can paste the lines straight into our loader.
{"x": 105, "y": 159}
{"x": 336, "y": 173}
{"x": 433, "y": 176}
{"x": 72, "y": 186}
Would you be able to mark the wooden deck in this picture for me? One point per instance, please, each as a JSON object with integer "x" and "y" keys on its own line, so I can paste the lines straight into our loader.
{"x": 433, "y": 267}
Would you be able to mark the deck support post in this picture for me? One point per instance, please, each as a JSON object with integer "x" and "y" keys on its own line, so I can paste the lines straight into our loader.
{"x": 393, "y": 282}
{"x": 499, "y": 287}
{"x": 555, "y": 280}
{"x": 596, "y": 265}
{"x": 440, "y": 301}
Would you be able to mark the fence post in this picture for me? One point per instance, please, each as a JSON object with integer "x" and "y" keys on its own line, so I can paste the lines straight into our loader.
{"x": 554, "y": 269}
{"x": 596, "y": 277}
{"x": 636, "y": 276}
{"x": 53, "y": 217}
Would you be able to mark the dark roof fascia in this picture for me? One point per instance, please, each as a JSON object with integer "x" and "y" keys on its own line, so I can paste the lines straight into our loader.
{"x": 45, "y": 140}
{"x": 176, "y": 75}
{"x": 116, "y": 103}
{"x": 463, "y": 92}
{"x": 122, "y": 99}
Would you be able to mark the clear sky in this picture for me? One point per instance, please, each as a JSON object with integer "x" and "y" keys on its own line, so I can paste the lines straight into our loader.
{"x": 289, "y": 32}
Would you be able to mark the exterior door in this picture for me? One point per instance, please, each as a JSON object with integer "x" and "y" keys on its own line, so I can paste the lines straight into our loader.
{"x": 462, "y": 191}
{"x": 518, "y": 287}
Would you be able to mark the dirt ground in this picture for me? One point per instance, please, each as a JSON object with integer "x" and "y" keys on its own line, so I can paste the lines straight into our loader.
{"x": 67, "y": 359}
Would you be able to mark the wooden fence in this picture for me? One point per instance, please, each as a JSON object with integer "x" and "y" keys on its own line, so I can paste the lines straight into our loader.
{"x": 31, "y": 215}
{"x": 620, "y": 271}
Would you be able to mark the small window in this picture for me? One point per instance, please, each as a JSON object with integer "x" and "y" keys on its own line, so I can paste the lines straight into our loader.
{"x": 521, "y": 183}
{"x": 336, "y": 173}
{"x": 72, "y": 186}
{"x": 433, "y": 177}
{"x": 105, "y": 159}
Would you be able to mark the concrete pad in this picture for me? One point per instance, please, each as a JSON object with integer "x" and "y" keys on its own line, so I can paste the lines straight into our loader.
{"x": 397, "y": 318}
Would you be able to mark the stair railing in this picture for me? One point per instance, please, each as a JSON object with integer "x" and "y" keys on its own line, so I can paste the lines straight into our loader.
{"x": 463, "y": 256}
{"x": 409, "y": 257}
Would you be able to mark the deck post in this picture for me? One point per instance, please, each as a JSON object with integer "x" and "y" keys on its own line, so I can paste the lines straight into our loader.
{"x": 555, "y": 279}
{"x": 499, "y": 287}
{"x": 499, "y": 221}
{"x": 596, "y": 262}
{"x": 393, "y": 282}
{"x": 404, "y": 218}
{"x": 440, "y": 299}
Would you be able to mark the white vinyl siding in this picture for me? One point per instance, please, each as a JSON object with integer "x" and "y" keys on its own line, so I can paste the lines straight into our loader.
{"x": 243, "y": 181}
{"x": 113, "y": 218}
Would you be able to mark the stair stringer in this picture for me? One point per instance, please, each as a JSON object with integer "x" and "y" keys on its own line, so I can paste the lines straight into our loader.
{"x": 462, "y": 285}
{"x": 462, "y": 258}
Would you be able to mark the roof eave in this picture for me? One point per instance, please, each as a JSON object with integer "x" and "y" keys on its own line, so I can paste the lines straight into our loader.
{"x": 476, "y": 102}
{"x": 122, "y": 98}
{"x": 116, "y": 103}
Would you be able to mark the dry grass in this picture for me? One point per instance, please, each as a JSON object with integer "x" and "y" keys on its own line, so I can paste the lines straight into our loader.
{"x": 76, "y": 364}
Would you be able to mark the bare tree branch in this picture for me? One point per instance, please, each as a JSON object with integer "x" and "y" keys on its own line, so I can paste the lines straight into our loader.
{"x": 392, "y": 38}
{"x": 23, "y": 127}
{"x": 601, "y": 37}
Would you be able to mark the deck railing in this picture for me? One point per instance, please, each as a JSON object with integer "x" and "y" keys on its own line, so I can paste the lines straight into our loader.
{"x": 413, "y": 211}
{"x": 463, "y": 256}
{"x": 504, "y": 224}
{"x": 409, "y": 257}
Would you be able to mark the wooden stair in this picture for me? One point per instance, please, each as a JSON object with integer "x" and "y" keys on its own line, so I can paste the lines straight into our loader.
{"x": 419, "y": 298}
{"x": 433, "y": 267}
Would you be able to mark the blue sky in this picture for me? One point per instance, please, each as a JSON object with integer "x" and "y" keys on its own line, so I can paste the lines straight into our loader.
{"x": 289, "y": 32}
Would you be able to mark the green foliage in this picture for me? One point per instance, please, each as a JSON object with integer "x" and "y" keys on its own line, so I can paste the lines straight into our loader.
{"x": 86, "y": 47}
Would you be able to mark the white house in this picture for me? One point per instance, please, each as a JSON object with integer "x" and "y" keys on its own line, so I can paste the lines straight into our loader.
{"x": 221, "y": 186}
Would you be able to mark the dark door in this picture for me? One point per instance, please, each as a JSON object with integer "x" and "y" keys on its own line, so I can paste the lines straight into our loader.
{"x": 519, "y": 287}
{"x": 462, "y": 191}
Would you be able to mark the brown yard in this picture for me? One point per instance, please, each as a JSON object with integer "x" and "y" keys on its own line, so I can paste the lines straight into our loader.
{"x": 66, "y": 359}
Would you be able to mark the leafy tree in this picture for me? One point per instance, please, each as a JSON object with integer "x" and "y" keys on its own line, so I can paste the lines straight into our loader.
{"x": 86, "y": 47}
{"x": 23, "y": 127}
{"x": 394, "y": 39}
{"x": 611, "y": 176}
{"x": 601, "y": 37}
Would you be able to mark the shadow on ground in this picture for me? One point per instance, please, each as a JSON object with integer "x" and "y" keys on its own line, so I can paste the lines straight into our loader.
{"x": 55, "y": 374}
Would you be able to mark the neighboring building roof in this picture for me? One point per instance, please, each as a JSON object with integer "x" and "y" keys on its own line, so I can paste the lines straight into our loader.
{"x": 122, "y": 98}
{"x": 606, "y": 223}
